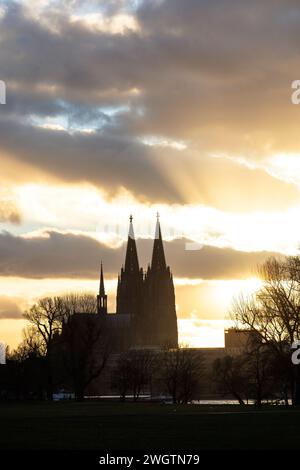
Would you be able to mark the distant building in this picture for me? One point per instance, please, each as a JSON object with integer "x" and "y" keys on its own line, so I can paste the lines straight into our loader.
{"x": 237, "y": 340}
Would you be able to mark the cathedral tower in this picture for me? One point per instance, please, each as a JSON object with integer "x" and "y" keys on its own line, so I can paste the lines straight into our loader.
{"x": 159, "y": 311}
{"x": 130, "y": 281}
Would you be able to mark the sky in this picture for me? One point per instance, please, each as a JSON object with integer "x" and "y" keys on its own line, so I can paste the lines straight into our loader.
{"x": 136, "y": 106}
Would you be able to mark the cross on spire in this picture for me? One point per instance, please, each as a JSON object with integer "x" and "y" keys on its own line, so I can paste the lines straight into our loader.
{"x": 131, "y": 231}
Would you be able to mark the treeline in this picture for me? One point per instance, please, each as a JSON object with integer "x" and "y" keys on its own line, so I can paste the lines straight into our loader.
{"x": 60, "y": 349}
{"x": 176, "y": 373}
{"x": 66, "y": 346}
{"x": 256, "y": 374}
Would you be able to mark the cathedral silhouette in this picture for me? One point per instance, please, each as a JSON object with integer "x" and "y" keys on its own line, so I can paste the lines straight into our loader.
{"x": 145, "y": 305}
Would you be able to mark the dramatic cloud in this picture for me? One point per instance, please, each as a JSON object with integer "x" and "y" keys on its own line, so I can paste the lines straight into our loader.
{"x": 53, "y": 254}
{"x": 113, "y": 162}
{"x": 84, "y": 103}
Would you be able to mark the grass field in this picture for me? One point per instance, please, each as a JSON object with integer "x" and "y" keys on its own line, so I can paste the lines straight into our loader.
{"x": 92, "y": 425}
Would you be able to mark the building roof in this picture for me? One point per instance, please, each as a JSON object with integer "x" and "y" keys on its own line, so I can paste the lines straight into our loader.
{"x": 118, "y": 320}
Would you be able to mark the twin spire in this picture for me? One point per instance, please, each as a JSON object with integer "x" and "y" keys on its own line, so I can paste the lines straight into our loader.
{"x": 158, "y": 262}
{"x": 158, "y": 255}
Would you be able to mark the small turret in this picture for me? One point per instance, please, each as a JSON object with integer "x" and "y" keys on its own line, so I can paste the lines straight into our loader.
{"x": 101, "y": 297}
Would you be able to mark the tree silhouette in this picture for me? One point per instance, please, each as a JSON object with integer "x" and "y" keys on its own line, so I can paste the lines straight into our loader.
{"x": 45, "y": 318}
{"x": 229, "y": 376}
{"x": 181, "y": 370}
{"x": 273, "y": 312}
{"x": 85, "y": 348}
{"x": 133, "y": 371}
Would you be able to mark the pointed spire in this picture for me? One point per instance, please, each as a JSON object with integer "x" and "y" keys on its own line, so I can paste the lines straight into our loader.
{"x": 101, "y": 287}
{"x": 131, "y": 231}
{"x": 101, "y": 297}
{"x": 131, "y": 259}
{"x": 157, "y": 228}
{"x": 158, "y": 255}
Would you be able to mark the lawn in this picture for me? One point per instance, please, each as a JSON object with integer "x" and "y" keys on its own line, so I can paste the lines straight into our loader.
{"x": 142, "y": 426}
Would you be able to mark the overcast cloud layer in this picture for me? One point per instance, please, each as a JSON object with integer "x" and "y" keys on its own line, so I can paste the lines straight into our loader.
{"x": 54, "y": 254}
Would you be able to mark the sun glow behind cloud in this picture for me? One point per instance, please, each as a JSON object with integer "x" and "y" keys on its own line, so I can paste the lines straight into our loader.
{"x": 200, "y": 329}
{"x": 204, "y": 334}
{"x": 83, "y": 207}
{"x": 285, "y": 166}
{"x": 83, "y": 13}
{"x": 117, "y": 24}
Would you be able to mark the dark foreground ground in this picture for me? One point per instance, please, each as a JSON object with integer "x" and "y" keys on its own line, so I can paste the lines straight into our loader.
{"x": 131, "y": 426}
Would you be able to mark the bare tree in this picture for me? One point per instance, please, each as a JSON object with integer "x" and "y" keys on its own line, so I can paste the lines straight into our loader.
{"x": 46, "y": 322}
{"x": 31, "y": 345}
{"x": 142, "y": 363}
{"x": 257, "y": 362}
{"x": 86, "y": 351}
{"x": 181, "y": 370}
{"x": 85, "y": 340}
{"x": 133, "y": 372}
{"x": 273, "y": 312}
{"x": 73, "y": 302}
{"x": 122, "y": 376}
{"x": 26, "y": 367}
{"x": 54, "y": 320}
{"x": 229, "y": 375}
